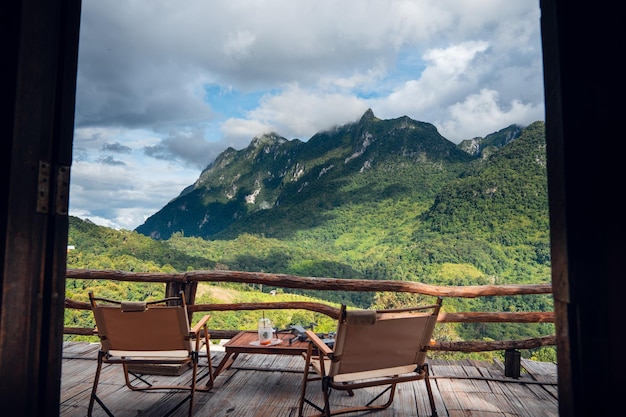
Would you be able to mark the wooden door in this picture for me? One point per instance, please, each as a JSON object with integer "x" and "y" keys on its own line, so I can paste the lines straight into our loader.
{"x": 36, "y": 121}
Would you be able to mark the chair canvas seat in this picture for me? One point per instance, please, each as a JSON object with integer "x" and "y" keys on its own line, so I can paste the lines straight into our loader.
{"x": 176, "y": 355}
{"x": 371, "y": 348}
{"x": 156, "y": 333}
{"x": 376, "y": 373}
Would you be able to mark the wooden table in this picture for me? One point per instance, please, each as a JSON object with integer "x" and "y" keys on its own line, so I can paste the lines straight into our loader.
{"x": 242, "y": 343}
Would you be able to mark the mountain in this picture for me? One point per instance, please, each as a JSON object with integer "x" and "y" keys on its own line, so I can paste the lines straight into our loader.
{"x": 375, "y": 199}
{"x": 495, "y": 215}
{"x": 510, "y": 187}
{"x": 483, "y": 147}
{"x": 276, "y": 186}
{"x": 392, "y": 199}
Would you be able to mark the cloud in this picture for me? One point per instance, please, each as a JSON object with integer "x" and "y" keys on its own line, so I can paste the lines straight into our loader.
{"x": 449, "y": 74}
{"x": 163, "y": 87}
{"x": 109, "y": 160}
{"x": 126, "y": 196}
{"x": 116, "y": 147}
{"x": 302, "y": 113}
{"x": 238, "y": 45}
{"x": 487, "y": 114}
{"x": 185, "y": 146}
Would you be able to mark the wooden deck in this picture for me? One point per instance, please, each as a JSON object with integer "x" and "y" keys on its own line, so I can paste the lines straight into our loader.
{"x": 269, "y": 385}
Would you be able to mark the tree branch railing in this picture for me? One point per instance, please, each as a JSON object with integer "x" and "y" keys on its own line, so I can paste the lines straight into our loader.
{"x": 335, "y": 284}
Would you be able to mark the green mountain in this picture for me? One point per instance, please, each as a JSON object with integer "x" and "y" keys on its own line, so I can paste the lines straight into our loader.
{"x": 380, "y": 199}
{"x": 275, "y": 186}
{"x": 375, "y": 199}
{"x": 483, "y": 147}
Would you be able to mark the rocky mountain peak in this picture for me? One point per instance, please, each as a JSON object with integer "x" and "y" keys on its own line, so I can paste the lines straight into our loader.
{"x": 275, "y": 180}
{"x": 368, "y": 116}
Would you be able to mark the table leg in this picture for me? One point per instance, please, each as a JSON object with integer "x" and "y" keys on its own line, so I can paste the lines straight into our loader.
{"x": 226, "y": 362}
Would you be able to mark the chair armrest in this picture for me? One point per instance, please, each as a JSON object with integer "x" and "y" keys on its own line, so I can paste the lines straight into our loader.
{"x": 319, "y": 343}
{"x": 200, "y": 324}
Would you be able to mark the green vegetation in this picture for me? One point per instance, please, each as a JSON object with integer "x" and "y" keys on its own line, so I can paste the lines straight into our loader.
{"x": 439, "y": 217}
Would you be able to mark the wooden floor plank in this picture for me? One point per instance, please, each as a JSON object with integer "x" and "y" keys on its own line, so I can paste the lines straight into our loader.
{"x": 269, "y": 386}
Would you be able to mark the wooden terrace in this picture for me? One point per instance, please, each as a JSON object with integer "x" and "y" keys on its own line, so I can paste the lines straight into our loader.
{"x": 269, "y": 386}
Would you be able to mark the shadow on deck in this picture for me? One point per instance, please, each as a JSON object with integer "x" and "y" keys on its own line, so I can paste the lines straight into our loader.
{"x": 269, "y": 385}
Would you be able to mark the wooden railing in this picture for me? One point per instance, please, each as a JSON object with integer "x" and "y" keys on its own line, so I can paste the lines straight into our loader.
{"x": 187, "y": 282}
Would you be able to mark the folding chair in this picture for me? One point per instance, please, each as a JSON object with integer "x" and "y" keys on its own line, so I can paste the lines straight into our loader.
{"x": 148, "y": 333}
{"x": 371, "y": 349}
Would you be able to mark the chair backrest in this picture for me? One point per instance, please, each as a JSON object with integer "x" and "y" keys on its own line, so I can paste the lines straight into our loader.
{"x": 136, "y": 326}
{"x": 367, "y": 340}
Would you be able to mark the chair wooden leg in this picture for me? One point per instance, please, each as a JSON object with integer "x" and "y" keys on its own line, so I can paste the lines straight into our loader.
{"x": 208, "y": 356}
{"x": 191, "y": 388}
{"x": 95, "y": 385}
{"x": 193, "y": 382}
{"x": 304, "y": 382}
{"x": 209, "y": 385}
{"x": 431, "y": 399}
{"x": 326, "y": 389}
{"x": 94, "y": 396}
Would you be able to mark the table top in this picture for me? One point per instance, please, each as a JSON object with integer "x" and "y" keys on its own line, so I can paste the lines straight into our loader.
{"x": 242, "y": 343}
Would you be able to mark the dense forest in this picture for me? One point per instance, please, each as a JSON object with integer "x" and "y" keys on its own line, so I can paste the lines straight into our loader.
{"x": 486, "y": 224}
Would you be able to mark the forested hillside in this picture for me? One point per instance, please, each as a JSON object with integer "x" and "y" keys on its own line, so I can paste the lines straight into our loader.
{"x": 277, "y": 187}
{"x": 447, "y": 218}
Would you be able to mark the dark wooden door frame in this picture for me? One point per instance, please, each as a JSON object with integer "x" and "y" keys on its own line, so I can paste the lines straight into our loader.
{"x": 37, "y": 122}
{"x": 584, "y": 91}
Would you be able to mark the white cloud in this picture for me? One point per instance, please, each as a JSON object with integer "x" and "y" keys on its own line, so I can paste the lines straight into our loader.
{"x": 302, "y": 113}
{"x": 448, "y": 74}
{"x": 238, "y": 45}
{"x": 122, "y": 195}
{"x": 145, "y": 67}
{"x": 239, "y": 132}
{"x": 483, "y": 113}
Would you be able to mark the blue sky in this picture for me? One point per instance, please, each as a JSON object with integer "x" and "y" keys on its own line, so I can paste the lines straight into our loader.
{"x": 163, "y": 87}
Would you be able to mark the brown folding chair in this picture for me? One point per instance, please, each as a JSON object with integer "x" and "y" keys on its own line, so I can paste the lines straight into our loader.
{"x": 371, "y": 349}
{"x": 140, "y": 334}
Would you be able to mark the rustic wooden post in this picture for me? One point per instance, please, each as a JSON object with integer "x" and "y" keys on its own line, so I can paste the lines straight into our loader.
{"x": 512, "y": 359}
{"x": 172, "y": 289}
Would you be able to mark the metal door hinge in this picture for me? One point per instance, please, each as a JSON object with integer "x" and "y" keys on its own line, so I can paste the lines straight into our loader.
{"x": 62, "y": 187}
{"x": 43, "y": 187}
{"x": 62, "y": 190}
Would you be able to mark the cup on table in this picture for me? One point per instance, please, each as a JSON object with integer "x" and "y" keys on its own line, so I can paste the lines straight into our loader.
{"x": 266, "y": 331}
